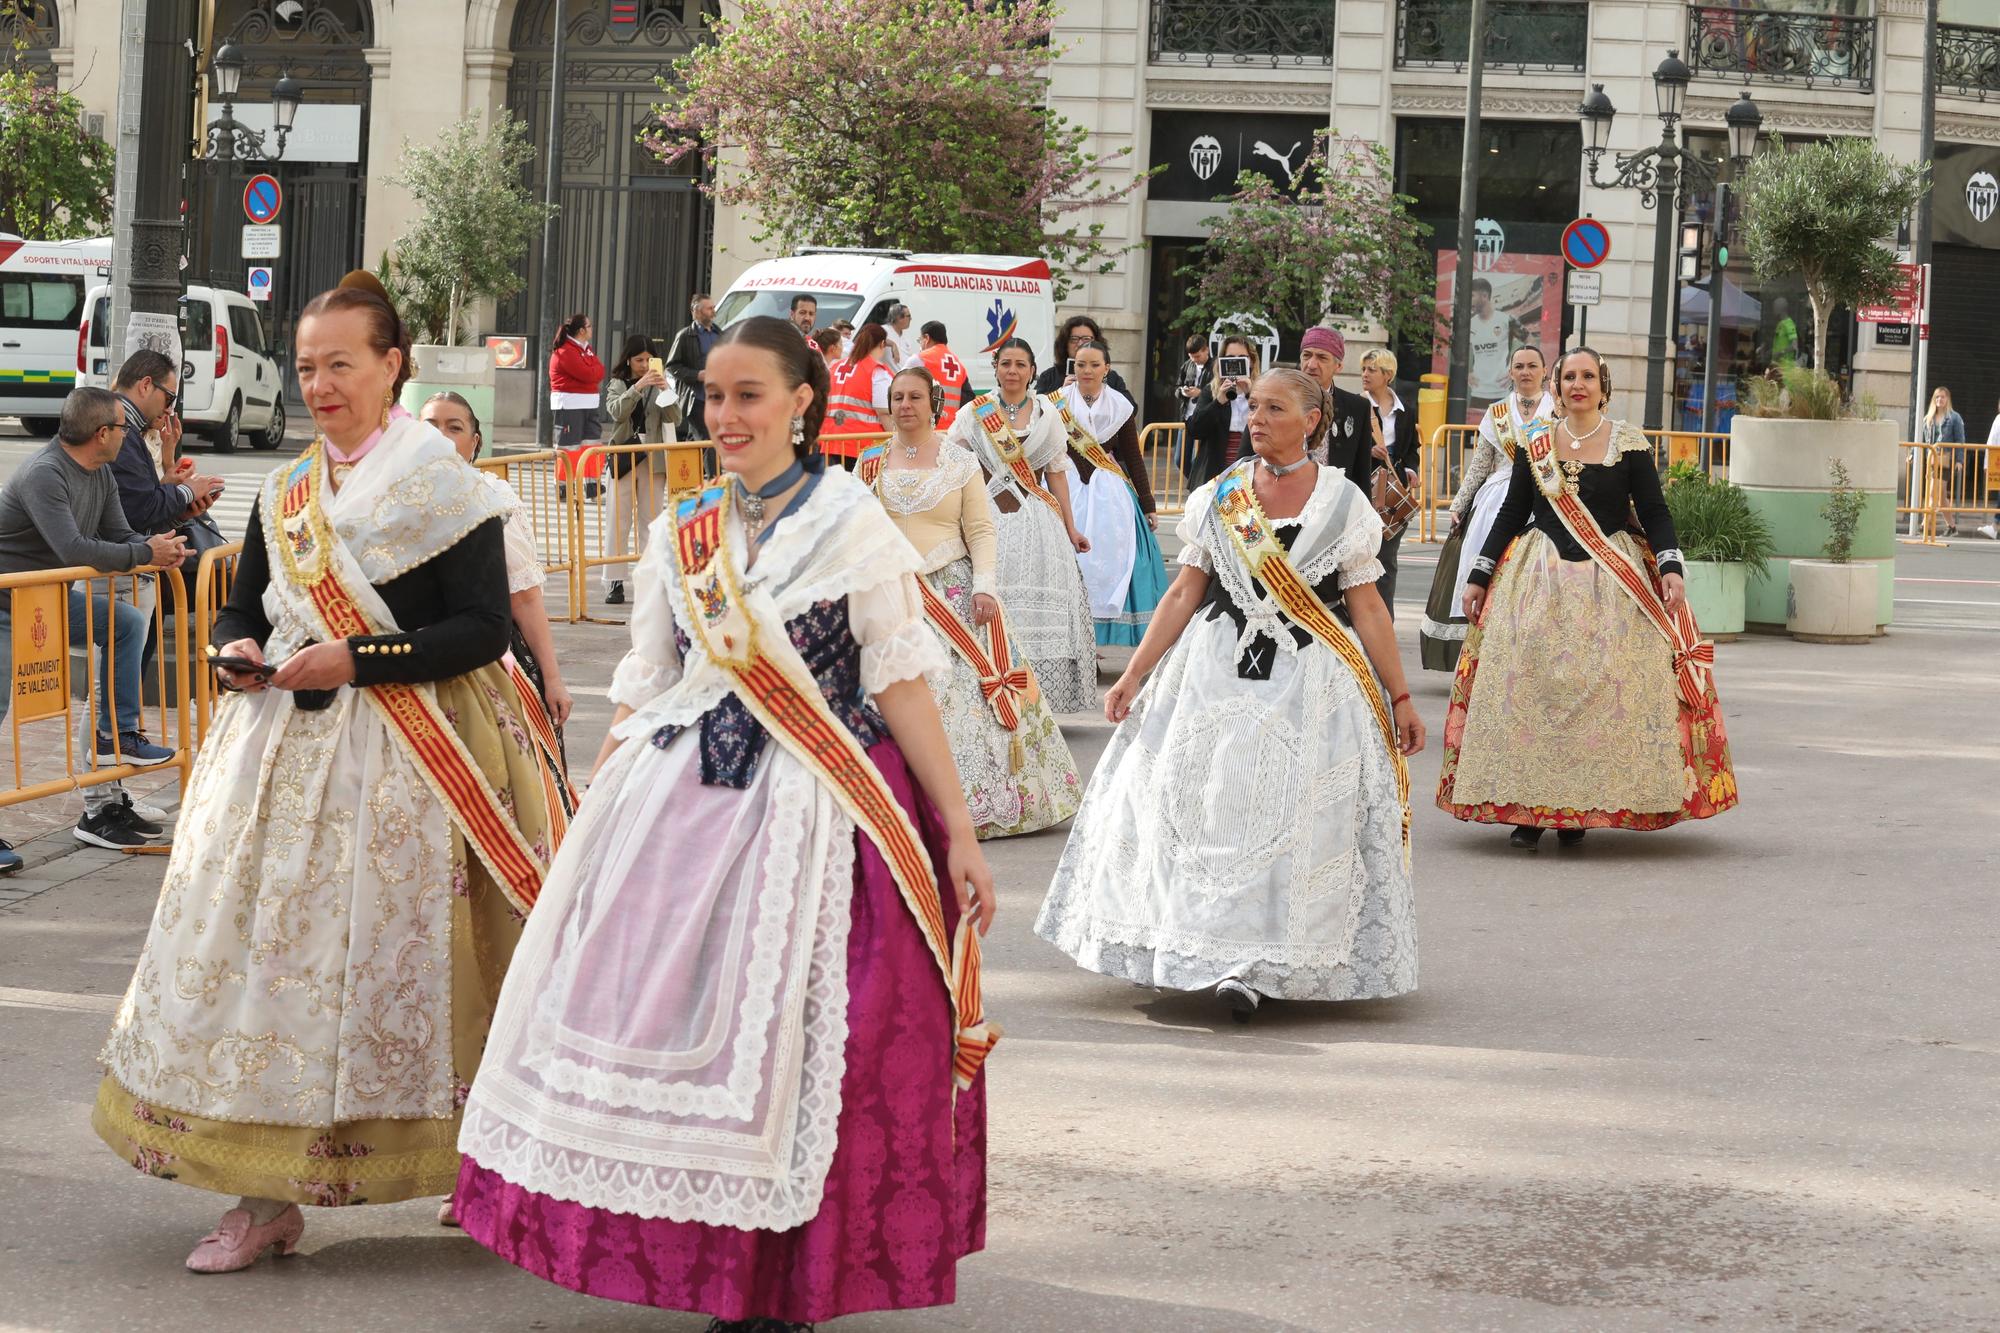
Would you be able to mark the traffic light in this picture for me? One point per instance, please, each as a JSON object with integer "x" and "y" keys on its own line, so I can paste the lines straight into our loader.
{"x": 1690, "y": 251}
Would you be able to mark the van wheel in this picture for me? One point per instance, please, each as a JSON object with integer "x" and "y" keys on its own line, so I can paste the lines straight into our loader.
{"x": 45, "y": 427}
{"x": 231, "y": 430}
{"x": 272, "y": 435}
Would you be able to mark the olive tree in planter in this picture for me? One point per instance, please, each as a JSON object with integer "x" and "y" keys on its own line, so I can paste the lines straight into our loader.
{"x": 1723, "y": 541}
{"x": 1823, "y": 214}
{"x": 1833, "y": 600}
{"x": 475, "y": 222}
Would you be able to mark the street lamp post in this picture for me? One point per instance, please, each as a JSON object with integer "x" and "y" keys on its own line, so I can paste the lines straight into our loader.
{"x": 1659, "y": 174}
{"x": 1743, "y": 121}
{"x": 227, "y": 140}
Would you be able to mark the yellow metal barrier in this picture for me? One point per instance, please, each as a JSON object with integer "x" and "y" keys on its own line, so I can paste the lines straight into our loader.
{"x": 1160, "y": 444}
{"x": 625, "y": 508}
{"x": 553, "y": 506}
{"x": 211, "y": 590}
{"x": 1945, "y": 483}
{"x": 40, "y": 683}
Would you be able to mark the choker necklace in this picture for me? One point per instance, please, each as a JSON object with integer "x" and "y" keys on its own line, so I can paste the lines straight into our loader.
{"x": 753, "y": 501}
{"x": 1284, "y": 469}
{"x": 1013, "y": 408}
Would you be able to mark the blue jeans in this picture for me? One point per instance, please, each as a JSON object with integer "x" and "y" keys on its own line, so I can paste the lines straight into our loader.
{"x": 122, "y": 668}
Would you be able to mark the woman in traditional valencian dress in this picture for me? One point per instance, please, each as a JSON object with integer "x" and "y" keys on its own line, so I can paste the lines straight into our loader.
{"x": 1015, "y": 769}
{"x": 1018, "y": 438}
{"x": 1585, "y": 697}
{"x": 531, "y": 645}
{"x": 1122, "y": 568}
{"x": 1248, "y": 827}
{"x": 1477, "y": 503}
{"x": 736, "y": 1065}
{"x": 361, "y": 838}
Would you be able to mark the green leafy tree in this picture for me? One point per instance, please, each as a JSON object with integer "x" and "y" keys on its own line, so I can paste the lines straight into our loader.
{"x": 1823, "y": 212}
{"x": 55, "y": 179}
{"x": 909, "y": 124}
{"x": 1345, "y": 247}
{"x": 476, "y": 223}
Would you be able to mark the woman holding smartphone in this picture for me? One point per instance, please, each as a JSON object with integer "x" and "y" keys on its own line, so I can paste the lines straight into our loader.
{"x": 638, "y": 484}
{"x": 1235, "y": 371}
{"x": 365, "y": 828}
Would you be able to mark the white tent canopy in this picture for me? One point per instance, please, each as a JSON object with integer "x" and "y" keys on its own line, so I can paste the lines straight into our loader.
{"x": 1740, "y": 310}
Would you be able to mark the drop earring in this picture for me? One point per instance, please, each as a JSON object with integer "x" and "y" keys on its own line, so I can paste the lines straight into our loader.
{"x": 798, "y": 433}
{"x": 388, "y": 401}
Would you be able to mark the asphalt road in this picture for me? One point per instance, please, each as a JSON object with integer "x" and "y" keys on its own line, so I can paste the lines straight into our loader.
{"x": 1738, "y": 1075}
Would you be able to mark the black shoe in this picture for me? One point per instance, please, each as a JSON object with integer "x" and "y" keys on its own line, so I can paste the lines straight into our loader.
{"x": 1242, "y": 1001}
{"x": 1569, "y": 837}
{"x": 10, "y": 860}
{"x": 108, "y": 828}
{"x": 1527, "y": 839}
{"x": 145, "y": 827}
{"x": 616, "y": 595}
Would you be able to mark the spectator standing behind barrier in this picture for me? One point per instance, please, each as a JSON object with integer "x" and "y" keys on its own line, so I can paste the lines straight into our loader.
{"x": 576, "y": 377}
{"x": 1992, "y": 463}
{"x": 1234, "y": 392}
{"x": 638, "y": 483}
{"x": 61, "y": 510}
{"x": 686, "y": 356}
{"x": 1201, "y": 415}
{"x": 1943, "y": 425}
{"x": 1074, "y": 333}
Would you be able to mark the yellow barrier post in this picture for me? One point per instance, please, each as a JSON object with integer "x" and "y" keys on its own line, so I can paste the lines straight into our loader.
{"x": 1432, "y": 477}
{"x": 1159, "y": 442}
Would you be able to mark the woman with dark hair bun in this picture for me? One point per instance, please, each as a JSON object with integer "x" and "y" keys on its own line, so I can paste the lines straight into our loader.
{"x": 1017, "y": 436}
{"x": 1584, "y": 697}
{"x": 736, "y": 1065}
{"x": 366, "y": 825}
{"x": 576, "y": 378}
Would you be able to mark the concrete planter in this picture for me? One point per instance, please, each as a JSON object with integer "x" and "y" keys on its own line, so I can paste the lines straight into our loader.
{"x": 1829, "y": 603}
{"x": 466, "y": 371}
{"x": 1782, "y": 467}
{"x": 1715, "y": 591}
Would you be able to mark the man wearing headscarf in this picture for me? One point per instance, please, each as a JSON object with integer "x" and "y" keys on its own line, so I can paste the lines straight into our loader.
{"x": 1321, "y": 352}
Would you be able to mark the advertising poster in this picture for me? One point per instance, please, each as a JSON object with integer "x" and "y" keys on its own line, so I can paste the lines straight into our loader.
{"x": 1516, "y": 300}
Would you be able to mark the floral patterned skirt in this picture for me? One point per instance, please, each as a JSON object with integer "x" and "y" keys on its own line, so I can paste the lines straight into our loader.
{"x": 1015, "y": 781}
{"x": 1564, "y": 712}
{"x": 350, "y": 1161}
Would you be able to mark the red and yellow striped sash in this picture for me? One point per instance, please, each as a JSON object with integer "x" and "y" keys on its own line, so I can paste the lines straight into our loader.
{"x": 1271, "y": 565}
{"x": 557, "y": 798}
{"x": 774, "y": 684}
{"x": 1008, "y": 688}
{"x": 305, "y": 541}
{"x": 1693, "y": 656}
{"x": 986, "y": 410}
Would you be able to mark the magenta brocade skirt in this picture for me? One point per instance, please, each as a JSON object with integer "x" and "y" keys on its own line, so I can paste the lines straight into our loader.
{"x": 906, "y": 1190}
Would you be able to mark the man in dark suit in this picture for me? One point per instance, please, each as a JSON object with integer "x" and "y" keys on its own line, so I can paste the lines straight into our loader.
{"x": 1205, "y": 421}
{"x": 686, "y": 356}
{"x": 1348, "y": 437}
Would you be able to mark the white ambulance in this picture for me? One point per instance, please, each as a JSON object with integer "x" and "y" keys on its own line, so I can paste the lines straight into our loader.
{"x": 42, "y": 285}
{"x": 982, "y": 300}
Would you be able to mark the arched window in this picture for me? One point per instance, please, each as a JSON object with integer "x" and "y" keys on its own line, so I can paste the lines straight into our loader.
{"x": 34, "y": 25}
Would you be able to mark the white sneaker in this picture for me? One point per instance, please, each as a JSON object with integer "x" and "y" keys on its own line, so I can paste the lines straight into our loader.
{"x": 1990, "y": 530}
{"x": 147, "y": 811}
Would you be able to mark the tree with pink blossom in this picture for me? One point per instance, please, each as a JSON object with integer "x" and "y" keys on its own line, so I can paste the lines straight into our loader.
{"x": 1343, "y": 247}
{"x": 905, "y": 124}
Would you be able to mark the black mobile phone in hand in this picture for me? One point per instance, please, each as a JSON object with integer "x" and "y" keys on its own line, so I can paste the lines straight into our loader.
{"x": 1069, "y": 368}
{"x": 242, "y": 666}
{"x": 1233, "y": 368}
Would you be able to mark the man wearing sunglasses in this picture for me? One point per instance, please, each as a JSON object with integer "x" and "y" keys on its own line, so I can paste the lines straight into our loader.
{"x": 150, "y": 385}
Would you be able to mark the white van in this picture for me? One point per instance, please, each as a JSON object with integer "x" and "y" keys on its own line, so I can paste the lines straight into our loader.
{"x": 232, "y": 387}
{"x": 982, "y": 300}
{"x": 42, "y": 286}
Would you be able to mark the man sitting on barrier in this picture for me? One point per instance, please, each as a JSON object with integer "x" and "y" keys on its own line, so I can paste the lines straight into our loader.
{"x": 60, "y": 509}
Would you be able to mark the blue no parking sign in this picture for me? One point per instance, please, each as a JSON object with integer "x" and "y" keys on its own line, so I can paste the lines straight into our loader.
{"x": 262, "y": 198}
{"x": 259, "y": 281}
{"x": 1586, "y": 243}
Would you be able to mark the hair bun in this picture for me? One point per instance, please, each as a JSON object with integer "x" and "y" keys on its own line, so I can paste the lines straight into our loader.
{"x": 362, "y": 280}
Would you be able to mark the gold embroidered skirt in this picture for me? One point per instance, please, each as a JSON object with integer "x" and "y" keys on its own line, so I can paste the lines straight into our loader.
{"x": 1565, "y": 712}
{"x": 242, "y": 1060}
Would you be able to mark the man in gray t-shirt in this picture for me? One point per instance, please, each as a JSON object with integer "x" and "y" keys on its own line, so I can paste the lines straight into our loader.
{"x": 61, "y": 509}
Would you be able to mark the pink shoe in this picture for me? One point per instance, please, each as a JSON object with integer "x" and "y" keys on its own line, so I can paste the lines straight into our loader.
{"x": 235, "y": 1244}
{"x": 447, "y": 1215}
